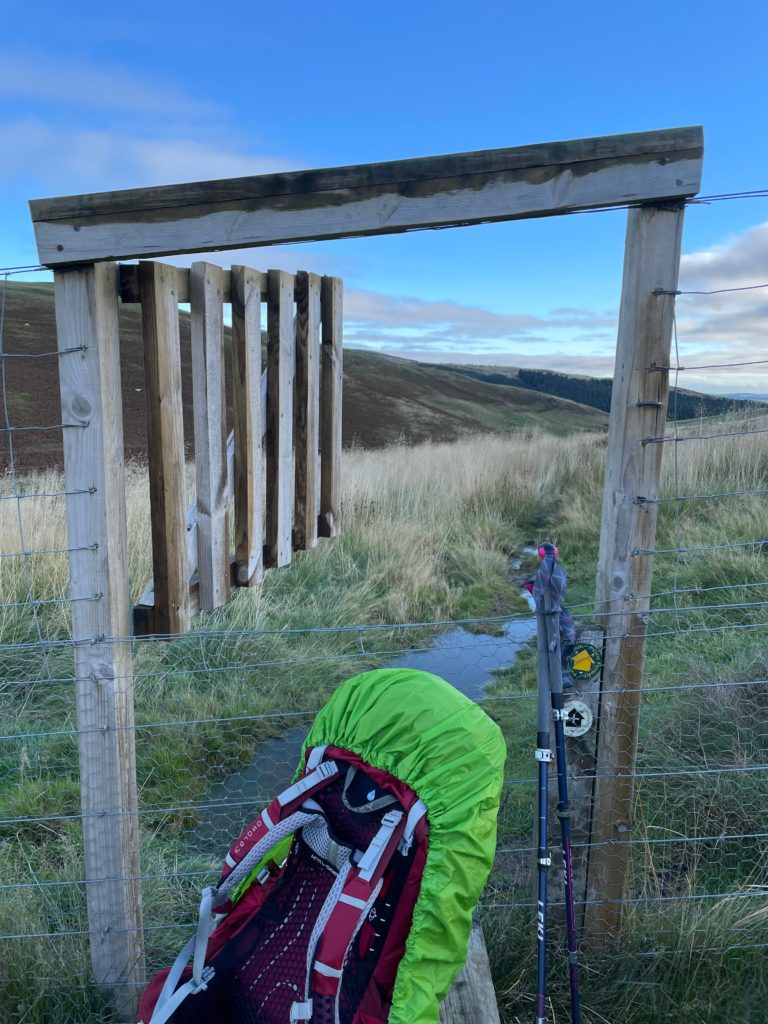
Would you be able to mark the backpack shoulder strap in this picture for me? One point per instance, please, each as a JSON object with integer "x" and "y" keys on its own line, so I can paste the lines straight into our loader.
{"x": 266, "y": 824}
{"x": 350, "y": 907}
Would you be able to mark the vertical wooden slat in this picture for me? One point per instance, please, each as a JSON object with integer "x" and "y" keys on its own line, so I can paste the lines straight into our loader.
{"x": 86, "y": 319}
{"x": 307, "y": 409}
{"x": 210, "y": 410}
{"x": 165, "y": 445}
{"x": 247, "y": 286}
{"x": 638, "y": 412}
{"x": 280, "y": 370}
{"x": 329, "y": 522}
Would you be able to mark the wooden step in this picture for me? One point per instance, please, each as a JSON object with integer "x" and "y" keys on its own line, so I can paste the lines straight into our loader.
{"x": 472, "y": 1000}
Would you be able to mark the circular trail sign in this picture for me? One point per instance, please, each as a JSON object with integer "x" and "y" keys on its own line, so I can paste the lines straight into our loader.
{"x": 585, "y": 661}
{"x": 578, "y": 718}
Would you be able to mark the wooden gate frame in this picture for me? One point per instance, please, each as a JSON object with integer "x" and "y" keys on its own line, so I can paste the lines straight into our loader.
{"x": 652, "y": 172}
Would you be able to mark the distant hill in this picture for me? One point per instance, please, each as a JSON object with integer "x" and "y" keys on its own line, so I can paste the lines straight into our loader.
{"x": 385, "y": 399}
{"x": 388, "y": 399}
{"x": 596, "y": 391}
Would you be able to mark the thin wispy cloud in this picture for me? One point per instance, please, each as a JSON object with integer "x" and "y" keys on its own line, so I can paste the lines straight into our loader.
{"x": 62, "y": 161}
{"x": 454, "y": 332}
{"x": 89, "y": 128}
{"x": 722, "y": 328}
{"x": 373, "y": 311}
{"x": 61, "y": 82}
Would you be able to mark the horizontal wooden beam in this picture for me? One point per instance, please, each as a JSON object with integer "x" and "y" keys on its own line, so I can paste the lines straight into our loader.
{"x": 368, "y": 199}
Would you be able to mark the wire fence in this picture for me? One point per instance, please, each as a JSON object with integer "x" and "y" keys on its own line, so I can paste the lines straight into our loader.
{"x": 220, "y": 715}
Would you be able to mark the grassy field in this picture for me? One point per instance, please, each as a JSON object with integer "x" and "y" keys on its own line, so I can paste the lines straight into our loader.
{"x": 429, "y": 533}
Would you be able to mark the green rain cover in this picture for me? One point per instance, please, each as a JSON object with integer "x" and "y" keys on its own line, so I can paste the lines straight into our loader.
{"x": 419, "y": 728}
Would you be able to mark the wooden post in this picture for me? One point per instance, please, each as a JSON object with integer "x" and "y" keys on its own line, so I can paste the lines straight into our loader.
{"x": 247, "y": 286}
{"x": 581, "y": 755}
{"x": 89, "y": 374}
{"x": 307, "y": 406}
{"x": 472, "y": 1000}
{"x": 329, "y": 523}
{"x": 210, "y": 411}
{"x": 280, "y": 370}
{"x": 638, "y": 413}
{"x": 165, "y": 445}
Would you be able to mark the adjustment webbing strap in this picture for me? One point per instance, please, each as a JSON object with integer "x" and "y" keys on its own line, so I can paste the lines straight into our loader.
{"x": 380, "y": 844}
{"x": 352, "y": 906}
{"x": 415, "y": 815}
{"x": 164, "y": 1012}
{"x": 169, "y": 1000}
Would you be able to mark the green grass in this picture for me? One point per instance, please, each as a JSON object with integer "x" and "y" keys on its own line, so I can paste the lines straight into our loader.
{"x": 428, "y": 534}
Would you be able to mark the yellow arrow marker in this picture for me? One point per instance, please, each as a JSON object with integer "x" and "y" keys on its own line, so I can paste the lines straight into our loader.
{"x": 583, "y": 661}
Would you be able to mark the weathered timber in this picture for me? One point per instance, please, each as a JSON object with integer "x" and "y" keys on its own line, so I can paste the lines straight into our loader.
{"x": 307, "y": 410}
{"x": 144, "y": 611}
{"x": 581, "y": 758}
{"x": 247, "y": 287}
{"x": 86, "y": 319}
{"x": 279, "y": 440}
{"x": 439, "y": 191}
{"x": 472, "y": 1000}
{"x": 210, "y": 426}
{"x": 165, "y": 446}
{"x": 130, "y": 288}
{"x": 332, "y": 373}
{"x": 638, "y": 411}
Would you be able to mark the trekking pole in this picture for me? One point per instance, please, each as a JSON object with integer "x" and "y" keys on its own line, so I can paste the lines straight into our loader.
{"x": 551, "y": 581}
{"x": 544, "y": 758}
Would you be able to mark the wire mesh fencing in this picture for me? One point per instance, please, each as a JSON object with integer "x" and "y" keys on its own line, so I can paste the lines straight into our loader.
{"x": 220, "y": 715}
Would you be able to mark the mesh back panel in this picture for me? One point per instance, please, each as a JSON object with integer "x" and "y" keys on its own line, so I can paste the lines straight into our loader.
{"x": 262, "y": 970}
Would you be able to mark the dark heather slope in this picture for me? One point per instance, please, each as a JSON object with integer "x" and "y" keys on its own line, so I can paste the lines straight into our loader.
{"x": 386, "y": 400}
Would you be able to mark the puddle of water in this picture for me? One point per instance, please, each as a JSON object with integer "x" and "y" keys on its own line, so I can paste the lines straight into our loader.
{"x": 466, "y": 660}
{"x": 235, "y": 800}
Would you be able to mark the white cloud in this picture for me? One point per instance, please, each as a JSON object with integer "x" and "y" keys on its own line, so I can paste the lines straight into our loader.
{"x": 374, "y": 312}
{"x": 91, "y": 161}
{"x": 728, "y": 327}
{"x": 569, "y": 340}
{"x": 39, "y": 77}
{"x": 740, "y": 261}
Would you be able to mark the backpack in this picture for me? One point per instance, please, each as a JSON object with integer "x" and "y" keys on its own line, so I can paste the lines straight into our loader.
{"x": 349, "y": 899}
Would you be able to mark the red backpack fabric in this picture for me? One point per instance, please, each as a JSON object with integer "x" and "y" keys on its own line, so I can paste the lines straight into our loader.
{"x": 319, "y": 936}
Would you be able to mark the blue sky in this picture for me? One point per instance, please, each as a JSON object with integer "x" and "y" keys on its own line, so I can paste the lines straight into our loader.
{"x": 97, "y": 97}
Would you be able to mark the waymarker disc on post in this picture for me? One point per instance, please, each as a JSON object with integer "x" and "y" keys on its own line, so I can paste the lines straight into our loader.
{"x": 585, "y": 661}
{"x": 578, "y": 718}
